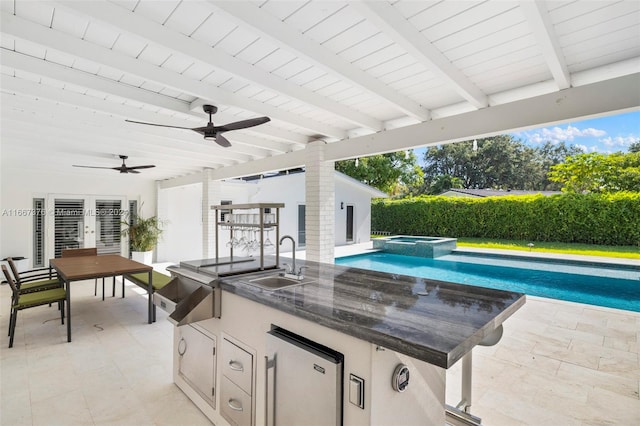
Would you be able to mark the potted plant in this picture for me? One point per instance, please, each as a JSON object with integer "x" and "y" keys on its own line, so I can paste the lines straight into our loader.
{"x": 143, "y": 236}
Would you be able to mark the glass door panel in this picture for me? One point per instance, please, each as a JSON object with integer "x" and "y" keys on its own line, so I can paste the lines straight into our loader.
{"x": 68, "y": 226}
{"x": 108, "y": 226}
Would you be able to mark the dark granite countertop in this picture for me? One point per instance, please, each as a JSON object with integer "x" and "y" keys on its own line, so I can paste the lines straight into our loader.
{"x": 434, "y": 321}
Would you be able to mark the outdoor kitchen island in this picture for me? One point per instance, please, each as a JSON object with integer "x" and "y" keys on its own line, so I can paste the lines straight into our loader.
{"x": 392, "y": 337}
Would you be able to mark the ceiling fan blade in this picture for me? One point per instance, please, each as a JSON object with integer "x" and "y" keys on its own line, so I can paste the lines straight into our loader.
{"x": 140, "y": 167}
{"x": 159, "y": 125}
{"x": 130, "y": 171}
{"x": 203, "y": 130}
{"x": 97, "y": 167}
{"x": 222, "y": 141}
{"x": 243, "y": 124}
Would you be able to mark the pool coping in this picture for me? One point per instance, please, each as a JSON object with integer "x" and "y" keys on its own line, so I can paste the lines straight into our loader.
{"x": 565, "y": 258}
{"x": 367, "y": 247}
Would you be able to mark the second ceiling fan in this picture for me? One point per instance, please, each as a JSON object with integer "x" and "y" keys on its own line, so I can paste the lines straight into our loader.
{"x": 214, "y": 133}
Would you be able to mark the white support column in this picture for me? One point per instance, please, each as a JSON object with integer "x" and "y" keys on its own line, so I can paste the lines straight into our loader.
{"x": 210, "y": 196}
{"x": 320, "y": 201}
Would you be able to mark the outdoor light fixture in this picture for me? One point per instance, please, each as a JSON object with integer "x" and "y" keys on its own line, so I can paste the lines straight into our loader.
{"x": 341, "y": 205}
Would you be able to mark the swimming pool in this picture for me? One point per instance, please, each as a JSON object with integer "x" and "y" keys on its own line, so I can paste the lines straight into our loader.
{"x": 576, "y": 282}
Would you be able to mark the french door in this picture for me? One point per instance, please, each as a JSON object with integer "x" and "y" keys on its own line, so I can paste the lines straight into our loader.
{"x": 349, "y": 233}
{"x": 85, "y": 221}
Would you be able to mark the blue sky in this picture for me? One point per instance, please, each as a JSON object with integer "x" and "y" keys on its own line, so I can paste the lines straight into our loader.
{"x": 605, "y": 134}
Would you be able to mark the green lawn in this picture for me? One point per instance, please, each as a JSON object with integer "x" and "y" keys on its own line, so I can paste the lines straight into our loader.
{"x": 627, "y": 252}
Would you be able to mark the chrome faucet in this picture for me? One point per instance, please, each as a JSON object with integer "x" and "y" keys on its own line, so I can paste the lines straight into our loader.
{"x": 291, "y": 272}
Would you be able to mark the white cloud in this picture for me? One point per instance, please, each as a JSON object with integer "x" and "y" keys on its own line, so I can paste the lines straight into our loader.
{"x": 619, "y": 141}
{"x": 558, "y": 134}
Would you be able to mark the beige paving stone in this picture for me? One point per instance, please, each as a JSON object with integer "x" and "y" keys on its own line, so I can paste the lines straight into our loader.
{"x": 621, "y": 344}
{"x": 606, "y": 407}
{"x": 521, "y": 410}
{"x": 565, "y": 319}
{"x": 616, "y": 383}
{"x": 625, "y": 366}
{"x": 15, "y": 404}
{"x": 66, "y": 408}
{"x": 527, "y": 359}
{"x": 566, "y": 355}
{"x": 573, "y": 335}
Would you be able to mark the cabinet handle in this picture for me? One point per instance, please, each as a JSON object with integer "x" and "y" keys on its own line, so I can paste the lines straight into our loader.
{"x": 236, "y": 366}
{"x": 182, "y": 346}
{"x": 268, "y": 364}
{"x": 234, "y": 404}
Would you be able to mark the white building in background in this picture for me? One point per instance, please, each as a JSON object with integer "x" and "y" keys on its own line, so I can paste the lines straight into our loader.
{"x": 181, "y": 208}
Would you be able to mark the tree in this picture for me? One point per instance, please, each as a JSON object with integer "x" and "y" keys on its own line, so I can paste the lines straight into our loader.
{"x": 443, "y": 183}
{"x": 396, "y": 173}
{"x": 635, "y": 147}
{"x": 595, "y": 172}
{"x": 550, "y": 155}
{"x": 497, "y": 162}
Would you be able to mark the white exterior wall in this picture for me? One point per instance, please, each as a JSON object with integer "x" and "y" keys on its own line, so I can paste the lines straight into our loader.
{"x": 288, "y": 189}
{"x": 18, "y": 190}
{"x": 349, "y": 194}
{"x": 180, "y": 209}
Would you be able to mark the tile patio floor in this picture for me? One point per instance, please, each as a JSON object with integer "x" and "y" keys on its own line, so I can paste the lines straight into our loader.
{"x": 558, "y": 363}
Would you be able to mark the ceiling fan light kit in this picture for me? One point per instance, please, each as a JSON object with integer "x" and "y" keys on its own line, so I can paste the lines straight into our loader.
{"x": 212, "y": 132}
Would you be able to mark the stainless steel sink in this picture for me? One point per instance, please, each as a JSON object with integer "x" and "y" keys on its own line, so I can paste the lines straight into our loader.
{"x": 276, "y": 282}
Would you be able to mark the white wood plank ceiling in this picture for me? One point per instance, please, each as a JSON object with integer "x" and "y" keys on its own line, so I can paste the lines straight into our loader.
{"x": 342, "y": 71}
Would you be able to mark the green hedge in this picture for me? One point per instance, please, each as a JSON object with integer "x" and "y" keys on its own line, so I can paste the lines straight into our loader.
{"x": 609, "y": 219}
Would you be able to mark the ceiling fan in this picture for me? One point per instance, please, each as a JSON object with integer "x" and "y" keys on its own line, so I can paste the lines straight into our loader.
{"x": 214, "y": 133}
{"x": 122, "y": 169}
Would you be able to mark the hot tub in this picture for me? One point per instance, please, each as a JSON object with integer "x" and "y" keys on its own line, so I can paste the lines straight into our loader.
{"x": 409, "y": 245}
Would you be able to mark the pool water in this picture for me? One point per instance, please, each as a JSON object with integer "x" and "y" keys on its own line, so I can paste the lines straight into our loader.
{"x": 587, "y": 283}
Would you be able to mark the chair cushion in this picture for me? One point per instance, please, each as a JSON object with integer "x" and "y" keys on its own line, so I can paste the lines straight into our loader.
{"x": 142, "y": 278}
{"x": 40, "y": 298}
{"x": 40, "y": 285}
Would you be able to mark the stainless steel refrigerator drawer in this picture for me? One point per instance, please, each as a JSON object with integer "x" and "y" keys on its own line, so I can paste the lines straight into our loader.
{"x": 235, "y": 404}
{"x": 237, "y": 365}
{"x": 304, "y": 381}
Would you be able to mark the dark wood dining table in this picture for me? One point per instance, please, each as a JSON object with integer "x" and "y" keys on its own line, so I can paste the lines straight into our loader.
{"x": 80, "y": 268}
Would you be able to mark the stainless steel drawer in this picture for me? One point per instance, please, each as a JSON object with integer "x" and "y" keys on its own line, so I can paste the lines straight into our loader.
{"x": 235, "y": 404}
{"x": 169, "y": 296}
{"x": 237, "y": 365}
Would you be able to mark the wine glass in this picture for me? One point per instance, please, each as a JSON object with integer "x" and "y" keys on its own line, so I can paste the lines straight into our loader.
{"x": 267, "y": 241}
